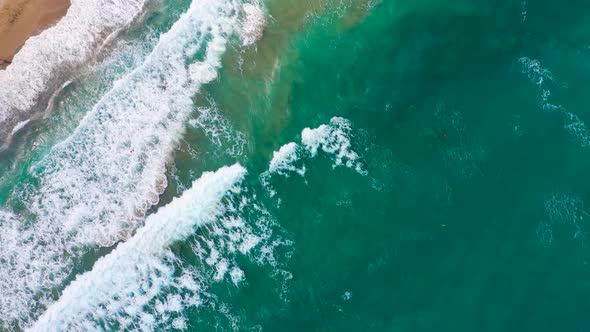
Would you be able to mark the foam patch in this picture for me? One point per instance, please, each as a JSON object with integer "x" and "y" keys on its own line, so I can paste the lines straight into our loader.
{"x": 541, "y": 76}
{"x": 333, "y": 139}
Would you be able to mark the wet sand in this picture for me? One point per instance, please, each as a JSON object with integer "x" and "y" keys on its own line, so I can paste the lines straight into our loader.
{"x": 20, "y": 19}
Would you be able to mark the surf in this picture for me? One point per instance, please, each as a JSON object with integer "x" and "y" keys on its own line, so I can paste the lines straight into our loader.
{"x": 333, "y": 139}
{"x": 119, "y": 279}
{"x": 95, "y": 188}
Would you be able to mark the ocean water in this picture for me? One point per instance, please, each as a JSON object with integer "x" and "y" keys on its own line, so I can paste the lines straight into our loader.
{"x": 324, "y": 165}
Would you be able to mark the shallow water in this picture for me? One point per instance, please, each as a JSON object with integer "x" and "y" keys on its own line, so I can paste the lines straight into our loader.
{"x": 411, "y": 165}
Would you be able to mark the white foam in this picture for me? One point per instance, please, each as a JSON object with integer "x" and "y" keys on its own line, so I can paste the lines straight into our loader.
{"x": 347, "y": 296}
{"x": 577, "y": 129}
{"x": 237, "y": 275}
{"x": 153, "y": 290}
{"x": 221, "y": 268}
{"x": 541, "y": 76}
{"x": 219, "y": 130}
{"x": 136, "y": 268}
{"x": 48, "y": 60}
{"x": 95, "y": 187}
{"x": 333, "y": 139}
{"x": 254, "y": 24}
{"x": 19, "y": 126}
{"x": 247, "y": 229}
{"x": 179, "y": 323}
{"x": 537, "y": 73}
{"x": 282, "y": 162}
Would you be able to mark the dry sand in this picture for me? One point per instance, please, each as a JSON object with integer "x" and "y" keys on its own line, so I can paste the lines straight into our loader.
{"x": 20, "y": 19}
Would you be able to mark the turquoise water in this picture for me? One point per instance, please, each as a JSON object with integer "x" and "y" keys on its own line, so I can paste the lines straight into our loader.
{"x": 440, "y": 184}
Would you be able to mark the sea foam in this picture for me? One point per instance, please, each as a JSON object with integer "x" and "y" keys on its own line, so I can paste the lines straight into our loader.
{"x": 48, "y": 60}
{"x": 136, "y": 271}
{"x": 283, "y": 161}
{"x": 95, "y": 187}
{"x": 334, "y": 139}
{"x": 542, "y": 77}
{"x": 254, "y": 24}
{"x": 153, "y": 286}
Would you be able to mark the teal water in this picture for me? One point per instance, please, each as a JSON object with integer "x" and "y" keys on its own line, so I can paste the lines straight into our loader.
{"x": 454, "y": 197}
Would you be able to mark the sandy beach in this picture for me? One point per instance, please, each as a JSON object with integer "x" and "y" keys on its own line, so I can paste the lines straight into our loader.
{"x": 20, "y": 19}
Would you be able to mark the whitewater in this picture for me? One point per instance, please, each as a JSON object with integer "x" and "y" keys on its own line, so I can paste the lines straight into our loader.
{"x": 94, "y": 188}
{"x": 50, "y": 59}
{"x": 136, "y": 271}
{"x": 333, "y": 139}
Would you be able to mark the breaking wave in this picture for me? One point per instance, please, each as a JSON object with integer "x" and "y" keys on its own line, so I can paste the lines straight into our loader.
{"x": 148, "y": 284}
{"x": 333, "y": 139}
{"x": 135, "y": 273}
{"x": 94, "y": 188}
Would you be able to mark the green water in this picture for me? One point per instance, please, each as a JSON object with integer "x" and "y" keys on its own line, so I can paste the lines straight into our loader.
{"x": 468, "y": 118}
{"x": 472, "y": 215}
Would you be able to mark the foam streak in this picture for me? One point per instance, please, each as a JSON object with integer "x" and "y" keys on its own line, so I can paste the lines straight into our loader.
{"x": 121, "y": 272}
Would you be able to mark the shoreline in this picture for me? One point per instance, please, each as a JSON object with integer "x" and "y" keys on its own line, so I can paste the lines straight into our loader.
{"x": 49, "y": 59}
{"x": 21, "y": 19}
